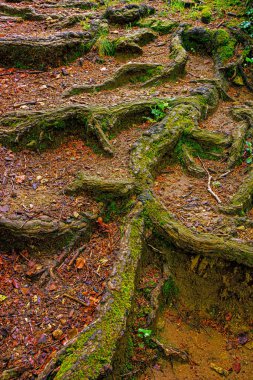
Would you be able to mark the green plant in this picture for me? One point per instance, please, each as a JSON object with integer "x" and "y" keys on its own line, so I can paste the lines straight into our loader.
{"x": 249, "y": 60}
{"x": 248, "y": 152}
{"x": 170, "y": 290}
{"x": 104, "y": 45}
{"x": 177, "y": 5}
{"x": 247, "y": 25}
{"x": 143, "y": 333}
{"x": 85, "y": 24}
{"x": 158, "y": 111}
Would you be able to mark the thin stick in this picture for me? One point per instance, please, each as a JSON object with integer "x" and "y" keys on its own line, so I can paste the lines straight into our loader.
{"x": 209, "y": 189}
{"x": 74, "y": 299}
{"x": 76, "y": 254}
{"x": 224, "y": 174}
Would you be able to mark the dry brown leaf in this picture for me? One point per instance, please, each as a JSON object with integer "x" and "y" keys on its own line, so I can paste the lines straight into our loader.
{"x": 80, "y": 262}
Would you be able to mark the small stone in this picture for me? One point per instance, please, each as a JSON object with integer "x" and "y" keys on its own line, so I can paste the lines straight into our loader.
{"x": 57, "y": 334}
{"x": 39, "y": 177}
{"x": 219, "y": 370}
{"x": 43, "y": 87}
{"x": 64, "y": 72}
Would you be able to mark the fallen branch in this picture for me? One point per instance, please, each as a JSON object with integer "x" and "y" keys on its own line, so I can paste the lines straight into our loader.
{"x": 209, "y": 189}
{"x": 171, "y": 352}
{"x": 75, "y": 255}
{"x": 74, "y": 299}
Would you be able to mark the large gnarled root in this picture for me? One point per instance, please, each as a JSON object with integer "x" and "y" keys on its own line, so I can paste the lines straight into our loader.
{"x": 40, "y": 129}
{"x": 162, "y": 139}
{"x": 176, "y": 68}
{"x": 42, "y": 233}
{"x": 239, "y": 134}
{"x": 40, "y": 52}
{"x": 26, "y": 13}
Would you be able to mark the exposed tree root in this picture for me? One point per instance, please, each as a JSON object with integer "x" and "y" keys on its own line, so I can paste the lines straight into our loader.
{"x": 192, "y": 168}
{"x": 41, "y": 233}
{"x": 196, "y": 243}
{"x": 38, "y": 52}
{"x": 145, "y": 74}
{"x": 242, "y": 201}
{"x": 39, "y": 129}
{"x": 26, "y": 13}
{"x": 128, "y": 13}
{"x": 96, "y": 185}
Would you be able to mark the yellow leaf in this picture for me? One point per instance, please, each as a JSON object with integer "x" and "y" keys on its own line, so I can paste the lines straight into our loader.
{"x": 2, "y": 297}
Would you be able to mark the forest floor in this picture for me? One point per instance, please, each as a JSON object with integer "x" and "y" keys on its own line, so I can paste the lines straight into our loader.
{"x": 40, "y": 313}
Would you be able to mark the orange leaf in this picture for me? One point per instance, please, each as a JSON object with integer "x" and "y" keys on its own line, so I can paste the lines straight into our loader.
{"x": 80, "y": 262}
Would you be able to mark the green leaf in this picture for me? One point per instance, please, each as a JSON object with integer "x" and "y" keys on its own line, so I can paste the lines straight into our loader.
{"x": 144, "y": 333}
{"x": 249, "y": 160}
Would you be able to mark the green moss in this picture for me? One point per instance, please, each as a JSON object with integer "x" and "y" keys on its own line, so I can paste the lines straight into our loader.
{"x": 107, "y": 331}
{"x": 141, "y": 77}
{"x": 224, "y": 45}
{"x": 170, "y": 290}
{"x": 160, "y": 26}
{"x": 197, "y": 150}
{"x": 206, "y": 15}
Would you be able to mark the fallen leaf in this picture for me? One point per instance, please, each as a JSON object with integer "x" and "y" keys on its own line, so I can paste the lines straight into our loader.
{"x": 52, "y": 286}
{"x": 20, "y": 178}
{"x": 236, "y": 367}
{"x": 80, "y": 262}
{"x": 2, "y": 297}
{"x": 15, "y": 283}
{"x": 242, "y": 338}
{"x": 4, "y": 208}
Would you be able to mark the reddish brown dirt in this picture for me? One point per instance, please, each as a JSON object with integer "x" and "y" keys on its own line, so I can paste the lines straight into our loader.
{"x": 32, "y": 312}
{"x": 189, "y": 200}
{"x": 208, "y": 345}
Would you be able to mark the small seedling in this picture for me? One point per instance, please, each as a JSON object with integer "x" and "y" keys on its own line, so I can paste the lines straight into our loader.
{"x": 248, "y": 152}
{"x": 158, "y": 112}
{"x": 143, "y": 333}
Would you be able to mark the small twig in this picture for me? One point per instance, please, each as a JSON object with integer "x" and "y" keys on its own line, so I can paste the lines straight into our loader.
{"x": 75, "y": 255}
{"x": 172, "y": 352}
{"x": 74, "y": 299}
{"x": 23, "y": 256}
{"x": 224, "y": 174}
{"x": 209, "y": 189}
{"x": 153, "y": 248}
{"x": 187, "y": 195}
